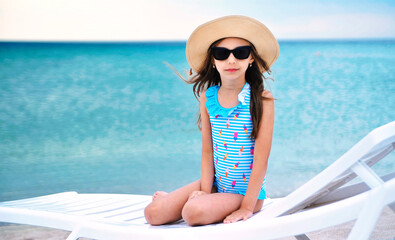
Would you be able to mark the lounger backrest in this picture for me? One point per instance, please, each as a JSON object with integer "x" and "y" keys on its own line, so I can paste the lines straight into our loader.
{"x": 371, "y": 149}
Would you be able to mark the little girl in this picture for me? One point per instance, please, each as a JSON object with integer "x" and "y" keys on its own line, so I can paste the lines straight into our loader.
{"x": 229, "y": 56}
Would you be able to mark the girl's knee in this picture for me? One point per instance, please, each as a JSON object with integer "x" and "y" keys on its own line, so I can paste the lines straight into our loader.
{"x": 193, "y": 213}
{"x": 152, "y": 213}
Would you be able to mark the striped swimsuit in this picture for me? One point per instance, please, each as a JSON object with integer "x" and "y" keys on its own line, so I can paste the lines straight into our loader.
{"x": 232, "y": 146}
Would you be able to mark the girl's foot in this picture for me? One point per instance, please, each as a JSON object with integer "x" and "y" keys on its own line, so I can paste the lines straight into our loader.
{"x": 158, "y": 194}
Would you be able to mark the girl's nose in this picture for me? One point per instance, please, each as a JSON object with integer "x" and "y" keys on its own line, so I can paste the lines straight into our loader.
{"x": 231, "y": 59}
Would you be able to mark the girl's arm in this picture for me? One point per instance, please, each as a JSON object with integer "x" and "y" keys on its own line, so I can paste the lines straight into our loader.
{"x": 263, "y": 144}
{"x": 207, "y": 162}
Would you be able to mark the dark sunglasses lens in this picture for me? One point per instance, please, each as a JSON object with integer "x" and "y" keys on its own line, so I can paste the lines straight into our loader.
{"x": 242, "y": 52}
{"x": 221, "y": 53}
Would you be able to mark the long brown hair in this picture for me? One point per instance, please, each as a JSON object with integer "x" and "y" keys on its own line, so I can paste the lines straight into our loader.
{"x": 209, "y": 76}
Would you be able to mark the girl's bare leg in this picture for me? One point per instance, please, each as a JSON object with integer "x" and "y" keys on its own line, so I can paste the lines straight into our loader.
{"x": 212, "y": 208}
{"x": 168, "y": 207}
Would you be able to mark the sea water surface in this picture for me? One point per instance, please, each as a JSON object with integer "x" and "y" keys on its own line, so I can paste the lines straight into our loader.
{"x": 114, "y": 118}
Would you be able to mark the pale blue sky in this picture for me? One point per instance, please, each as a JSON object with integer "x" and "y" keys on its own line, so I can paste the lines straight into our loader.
{"x": 125, "y": 20}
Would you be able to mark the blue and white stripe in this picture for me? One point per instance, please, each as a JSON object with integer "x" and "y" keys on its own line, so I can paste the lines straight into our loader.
{"x": 232, "y": 146}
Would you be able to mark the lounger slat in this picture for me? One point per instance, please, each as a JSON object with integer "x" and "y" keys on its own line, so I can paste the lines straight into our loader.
{"x": 127, "y": 215}
{"x": 116, "y": 202}
{"x": 65, "y": 206}
{"x": 99, "y": 206}
{"x": 140, "y": 219}
{"x": 119, "y": 215}
{"x": 111, "y": 208}
{"x": 41, "y": 200}
{"x": 121, "y": 210}
{"x": 51, "y": 203}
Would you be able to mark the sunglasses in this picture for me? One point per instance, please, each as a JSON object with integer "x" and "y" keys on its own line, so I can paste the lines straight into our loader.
{"x": 221, "y": 53}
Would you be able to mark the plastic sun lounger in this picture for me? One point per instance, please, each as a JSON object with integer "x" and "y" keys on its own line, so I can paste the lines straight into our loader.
{"x": 121, "y": 216}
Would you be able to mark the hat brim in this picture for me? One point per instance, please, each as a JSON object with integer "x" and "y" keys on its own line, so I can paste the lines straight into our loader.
{"x": 231, "y": 26}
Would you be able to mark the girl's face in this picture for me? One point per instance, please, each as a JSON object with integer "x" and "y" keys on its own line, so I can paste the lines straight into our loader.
{"x": 232, "y": 69}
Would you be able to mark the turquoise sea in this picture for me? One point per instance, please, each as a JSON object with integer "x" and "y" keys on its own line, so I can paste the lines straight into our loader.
{"x": 113, "y": 118}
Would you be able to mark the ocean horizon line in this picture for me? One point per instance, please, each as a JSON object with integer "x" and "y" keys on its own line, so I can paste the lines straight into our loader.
{"x": 181, "y": 41}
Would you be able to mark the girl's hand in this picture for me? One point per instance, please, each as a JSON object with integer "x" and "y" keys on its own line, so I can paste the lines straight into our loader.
{"x": 195, "y": 194}
{"x": 241, "y": 214}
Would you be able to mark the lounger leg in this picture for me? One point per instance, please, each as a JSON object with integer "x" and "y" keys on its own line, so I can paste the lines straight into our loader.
{"x": 368, "y": 217}
{"x": 73, "y": 235}
{"x": 371, "y": 212}
{"x": 392, "y": 206}
{"x": 302, "y": 237}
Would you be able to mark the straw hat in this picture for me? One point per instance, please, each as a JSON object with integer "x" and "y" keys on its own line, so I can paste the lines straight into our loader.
{"x": 231, "y": 26}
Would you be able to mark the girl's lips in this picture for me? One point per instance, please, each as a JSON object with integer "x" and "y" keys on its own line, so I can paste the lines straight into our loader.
{"x": 231, "y": 70}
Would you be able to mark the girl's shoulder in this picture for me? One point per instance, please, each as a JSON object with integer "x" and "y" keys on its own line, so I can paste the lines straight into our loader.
{"x": 205, "y": 94}
{"x": 267, "y": 94}
{"x": 202, "y": 95}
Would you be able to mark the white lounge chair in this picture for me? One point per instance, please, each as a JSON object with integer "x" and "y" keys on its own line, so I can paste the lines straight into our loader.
{"x": 120, "y": 216}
